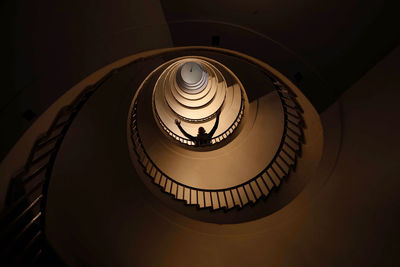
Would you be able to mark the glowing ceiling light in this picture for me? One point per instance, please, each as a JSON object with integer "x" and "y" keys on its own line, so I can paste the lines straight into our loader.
{"x": 192, "y": 78}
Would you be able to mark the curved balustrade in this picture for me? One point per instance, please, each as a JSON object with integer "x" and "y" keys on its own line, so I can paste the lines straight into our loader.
{"x": 22, "y": 230}
{"x": 243, "y": 194}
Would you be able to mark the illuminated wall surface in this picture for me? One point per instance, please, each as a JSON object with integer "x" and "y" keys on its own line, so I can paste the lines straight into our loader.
{"x": 275, "y": 147}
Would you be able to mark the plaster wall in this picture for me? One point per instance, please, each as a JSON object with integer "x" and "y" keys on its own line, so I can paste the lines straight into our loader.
{"x": 56, "y": 44}
{"x": 331, "y": 44}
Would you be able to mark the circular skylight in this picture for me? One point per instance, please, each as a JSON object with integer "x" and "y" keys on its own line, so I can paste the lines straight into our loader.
{"x": 192, "y": 78}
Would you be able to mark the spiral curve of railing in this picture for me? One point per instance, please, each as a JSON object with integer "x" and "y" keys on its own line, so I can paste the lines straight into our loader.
{"x": 252, "y": 190}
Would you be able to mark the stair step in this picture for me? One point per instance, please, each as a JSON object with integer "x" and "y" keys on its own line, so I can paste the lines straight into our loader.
{"x": 174, "y": 189}
{"x": 60, "y": 124}
{"x": 222, "y": 199}
{"x": 297, "y": 121}
{"x": 229, "y": 200}
{"x": 157, "y": 178}
{"x": 37, "y": 172}
{"x": 292, "y": 111}
{"x": 48, "y": 141}
{"x": 242, "y": 195}
{"x": 163, "y": 181}
{"x": 193, "y": 197}
{"x": 179, "y": 192}
{"x": 284, "y": 156}
{"x": 249, "y": 193}
{"x": 168, "y": 186}
{"x": 149, "y": 167}
{"x": 274, "y": 178}
{"x": 284, "y": 166}
{"x": 293, "y": 136}
{"x": 236, "y": 198}
{"x": 186, "y": 195}
{"x": 153, "y": 171}
{"x": 215, "y": 202}
{"x": 200, "y": 199}
{"x": 42, "y": 153}
{"x": 262, "y": 186}
{"x": 207, "y": 199}
{"x": 293, "y": 145}
{"x": 255, "y": 189}
{"x": 278, "y": 171}
{"x": 145, "y": 160}
{"x": 291, "y": 102}
{"x": 49, "y": 135}
{"x": 268, "y": 181}
{"x": 294, "y": 132}
{"x": 288, "y": 151}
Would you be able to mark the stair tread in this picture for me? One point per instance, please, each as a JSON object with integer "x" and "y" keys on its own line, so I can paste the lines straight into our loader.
{"x": 268, "y": 181}
{"x": 186, "y": 195}
{"x": 215, "y": 202}
{"x": 163, "y": 181}
{"x": 200, "y": 199}
{"x": 222, "y": 200}
{"x": 193, "y": 197}
{"x": 283, "y": 165}
{"x": 277, "y": 170}
{"x": 275, "y": 179}
{"x": 262, "y": 186}
{"x": 168, "y": 186}
{"x": 256, "y": 190}
{"x": 180, "y": 192}
{"x": 294, "y": 146}
{"x": 242, "y": 195}
{"x": 157, "y": 178}
{"x": 249, "y": 193}
{"x": 207, "y": 199}
{"x": 290, "y": 151}
{"x": 229, "y": 200}
{"x": 288, "y": 159}
{"x": 236, "y": 199}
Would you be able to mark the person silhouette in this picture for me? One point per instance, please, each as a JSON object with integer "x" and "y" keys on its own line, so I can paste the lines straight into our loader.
{"x": 203, "y": 138}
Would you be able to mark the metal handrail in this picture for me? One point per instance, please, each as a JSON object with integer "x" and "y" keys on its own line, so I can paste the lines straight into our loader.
{"x": 148, "y": 165}
{"x": 32, "y": 182}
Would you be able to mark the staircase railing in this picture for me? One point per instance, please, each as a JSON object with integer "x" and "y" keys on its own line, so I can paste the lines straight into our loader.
{"x": 22, "y": 223}
{"x": 246, "y": 193}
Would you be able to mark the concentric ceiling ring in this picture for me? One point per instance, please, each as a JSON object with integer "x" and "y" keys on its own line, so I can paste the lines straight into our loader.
{"x": 171, "y": 102}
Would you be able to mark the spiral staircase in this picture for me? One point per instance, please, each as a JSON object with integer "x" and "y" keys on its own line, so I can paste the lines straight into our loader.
{"x": 214, "y": 176}
{"x": 253, "y": 150}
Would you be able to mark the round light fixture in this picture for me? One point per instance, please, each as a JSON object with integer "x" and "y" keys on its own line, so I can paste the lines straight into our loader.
{"x": 191, "y": 77}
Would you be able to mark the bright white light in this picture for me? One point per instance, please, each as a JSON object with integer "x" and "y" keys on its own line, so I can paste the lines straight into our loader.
{"x": 192, "y": 78}
{"x": 191, "y": 73}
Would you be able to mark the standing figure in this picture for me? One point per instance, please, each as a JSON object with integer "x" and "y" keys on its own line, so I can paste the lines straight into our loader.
{"x": 203, "y": 138}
